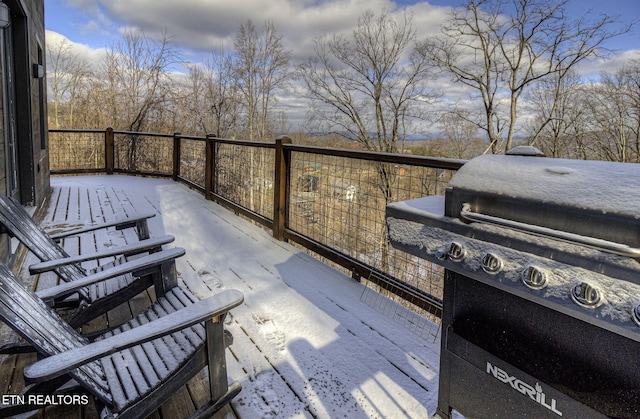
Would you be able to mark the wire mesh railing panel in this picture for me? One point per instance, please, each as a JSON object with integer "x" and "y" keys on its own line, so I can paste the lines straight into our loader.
{"x": 341, "y": 201}
{"x": 417, "y": 181}
{"x": 136, "y": 152}
{"x": 193, "y": 161}
{"x": 245, "y": 175}
{"x": 412, "y": 316}
{"x": 76, "y": 151}
{"x": 332, "y": 201}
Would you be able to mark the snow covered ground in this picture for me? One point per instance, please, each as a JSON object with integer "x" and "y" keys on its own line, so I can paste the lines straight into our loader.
{"x": 306, "y": 342}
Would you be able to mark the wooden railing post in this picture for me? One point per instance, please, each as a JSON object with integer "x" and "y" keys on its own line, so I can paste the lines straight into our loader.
{"x": 209, "y": 168}
{"x": 109, "y": 152}
{"x": 280, "y": 187}
{"x": 176, "y": 156}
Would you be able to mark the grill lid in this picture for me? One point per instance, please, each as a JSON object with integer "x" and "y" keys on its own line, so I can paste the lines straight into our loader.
{"x": 594, "y": 199}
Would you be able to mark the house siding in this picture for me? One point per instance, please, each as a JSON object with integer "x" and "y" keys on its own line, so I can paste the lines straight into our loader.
{"x": 39, "y": 102}
{"x": 27, "y": 36}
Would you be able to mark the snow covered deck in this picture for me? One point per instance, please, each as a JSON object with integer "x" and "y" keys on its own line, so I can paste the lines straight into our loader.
{"x": 306, "y": 342}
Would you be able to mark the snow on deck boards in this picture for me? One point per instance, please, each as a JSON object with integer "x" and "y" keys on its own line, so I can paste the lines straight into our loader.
{"x": 305, "y": 344}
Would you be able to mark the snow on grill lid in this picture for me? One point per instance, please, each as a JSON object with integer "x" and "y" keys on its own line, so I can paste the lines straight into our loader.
{"x": 606, "y": 187}
{"x": 596, "y": 199}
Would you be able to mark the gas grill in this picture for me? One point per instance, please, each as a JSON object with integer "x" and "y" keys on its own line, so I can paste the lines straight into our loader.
{"x": 541, "y": 306}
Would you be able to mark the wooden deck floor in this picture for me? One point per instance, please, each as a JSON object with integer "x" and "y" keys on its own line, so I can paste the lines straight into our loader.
{"x": 269, "y": 356}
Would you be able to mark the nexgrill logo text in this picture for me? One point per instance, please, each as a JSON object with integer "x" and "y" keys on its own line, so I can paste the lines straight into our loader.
{"x": 535, "y": 393}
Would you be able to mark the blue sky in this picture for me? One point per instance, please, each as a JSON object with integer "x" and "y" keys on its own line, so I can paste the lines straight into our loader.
{"x": 196, "y": 27}
{"x": 97, "y": 23}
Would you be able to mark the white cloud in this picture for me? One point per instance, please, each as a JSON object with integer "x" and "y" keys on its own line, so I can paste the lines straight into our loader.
{"x": 92, "y": 56}
{"x": 610, "y": 64}
{"x": 206, "y": 24}
{"x": 203, "y": 25}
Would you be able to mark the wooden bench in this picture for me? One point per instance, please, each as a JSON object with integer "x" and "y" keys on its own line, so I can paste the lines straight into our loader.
{"x": 132, "y": 370}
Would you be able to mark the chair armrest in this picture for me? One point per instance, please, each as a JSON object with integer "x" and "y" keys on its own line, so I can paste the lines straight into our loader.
{"x": 142, "y": 263}
{"x": 62, "y": 363}
{"x": 126, "y": 250}
{"x": 119, "y": 223}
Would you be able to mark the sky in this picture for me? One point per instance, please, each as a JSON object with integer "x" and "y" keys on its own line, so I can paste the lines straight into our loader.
{"x": 196, "y": 27}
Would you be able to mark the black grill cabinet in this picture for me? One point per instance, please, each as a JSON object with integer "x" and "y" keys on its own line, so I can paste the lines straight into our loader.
{"x": 541, "y": 306}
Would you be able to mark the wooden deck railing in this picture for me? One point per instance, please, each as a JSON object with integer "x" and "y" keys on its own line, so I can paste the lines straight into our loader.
{"x": 328, "y": 201}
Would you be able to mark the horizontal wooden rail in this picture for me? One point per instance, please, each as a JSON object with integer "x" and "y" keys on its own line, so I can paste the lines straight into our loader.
{"x": 433, "y": 162}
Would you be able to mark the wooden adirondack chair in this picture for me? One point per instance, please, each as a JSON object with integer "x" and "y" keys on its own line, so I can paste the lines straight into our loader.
{"x": 137, "y": 222}
{"x": 101, "y": 296}
{"x": 132, "y": 370}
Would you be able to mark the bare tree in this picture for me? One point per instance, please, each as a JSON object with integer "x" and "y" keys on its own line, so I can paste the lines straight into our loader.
{"x": 261, "y": 67}
{"x": 67, "y": 77}
{"x": 613, "y": 103}
{"x": 459, "y": 134}
{"x": 136, "y": 84}
{"x": 559, "y": 117}
{"x": 500, "y": 47}
{"x": 137, "y": 70}
{"x": 211, "y": 105}
{"x": 631, "y": 77}
{"x": 366, "y": 86}
{"x": 222, "y": 98}
{"x": 193, "y": 99}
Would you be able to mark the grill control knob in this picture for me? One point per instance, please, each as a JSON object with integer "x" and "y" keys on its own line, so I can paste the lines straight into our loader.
{"x": 534, "y": 278}
{"x": 456, "y": 252}
{"x": 585, "y": 295}
{"x": 491, "y": 263}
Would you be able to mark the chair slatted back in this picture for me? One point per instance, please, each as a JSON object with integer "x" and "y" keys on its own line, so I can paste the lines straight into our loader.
{"x": 47, "y": 332}
{"x": 20, "y": 225}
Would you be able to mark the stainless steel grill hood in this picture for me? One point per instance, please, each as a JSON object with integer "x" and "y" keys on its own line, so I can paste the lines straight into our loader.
{"x": 542, "y": 285}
